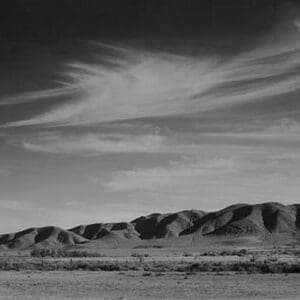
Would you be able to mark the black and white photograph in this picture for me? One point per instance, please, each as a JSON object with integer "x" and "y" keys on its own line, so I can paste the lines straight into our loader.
{"x": 149, "y": 149}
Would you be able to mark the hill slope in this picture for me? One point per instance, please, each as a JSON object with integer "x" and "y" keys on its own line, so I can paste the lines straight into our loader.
{"x": 44, "y": 236}
{"x": 263, "y": 221}
{"x": 242, "y": 219}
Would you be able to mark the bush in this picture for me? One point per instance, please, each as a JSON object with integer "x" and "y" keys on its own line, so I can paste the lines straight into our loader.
{"x": 45, "y": 252}
{"x": 210, "y": 253}
{"x": 241, "y": 252}
{"x": 139, "y": 255}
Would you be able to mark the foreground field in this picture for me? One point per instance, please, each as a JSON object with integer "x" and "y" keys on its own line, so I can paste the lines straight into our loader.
{"x": 141, "y": 285}
{"x": 152, "y": 273}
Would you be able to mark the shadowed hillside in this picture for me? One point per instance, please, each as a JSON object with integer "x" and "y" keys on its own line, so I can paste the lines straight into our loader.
{"x": 45, "y": 236}
{"x": 102, "y": 230}
{"x": 262, "y": 221}
{"x": 242, "y": 219}
{"x": 166, "y": 225}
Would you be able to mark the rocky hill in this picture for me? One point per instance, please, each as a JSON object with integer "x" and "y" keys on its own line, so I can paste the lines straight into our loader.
{"x": 262, "y": 221}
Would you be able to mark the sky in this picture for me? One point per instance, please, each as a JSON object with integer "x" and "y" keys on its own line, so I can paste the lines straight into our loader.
{"x": 98, "y": 128}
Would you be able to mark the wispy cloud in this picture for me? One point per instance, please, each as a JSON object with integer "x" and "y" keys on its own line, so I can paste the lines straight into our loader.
{"x": 5, "y": 172}
{"x": 63, "y": 90}
{"x": 176, "y": 174}
{"x": 132, "y": 83}
{"x": 147, "y": 139}
{"x": 92, "y": 144}
{"x": 10, "y": 204}
{"x": 285, "y": 126}
{"x": 297, "y": 23}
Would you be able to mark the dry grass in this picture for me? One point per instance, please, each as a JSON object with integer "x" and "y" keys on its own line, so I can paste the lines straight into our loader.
{"x": 146, "y": 285}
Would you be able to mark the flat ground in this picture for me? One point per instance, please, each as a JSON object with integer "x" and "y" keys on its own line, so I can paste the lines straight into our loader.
{"x": 25, "y": 276}
{"x": 143, "y": 285}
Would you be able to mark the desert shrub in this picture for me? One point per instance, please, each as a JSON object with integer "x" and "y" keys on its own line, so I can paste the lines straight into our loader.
{"x": 196, "y": 267}
{"x": 44, "y": 264}
{"x": 45, "y": 252}
{"x": 139, "y": 255}
{"x": 241, "y": 252}
{"x": 258, "y": 267}
{"x": 225, "y": 253}
{"x": 76, "y": 253}
{"x": 57, "y": 253}
{"x": 291, "y": 269}
{"x": 148, "y": 246}
{"x": 210, "y": 253}
{"x": 237, "y": 267}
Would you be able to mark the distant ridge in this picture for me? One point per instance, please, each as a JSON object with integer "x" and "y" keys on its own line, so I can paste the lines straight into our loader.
{"x": 262, "y": 221}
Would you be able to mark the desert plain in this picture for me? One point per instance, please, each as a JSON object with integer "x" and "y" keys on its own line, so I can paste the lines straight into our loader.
{"x": 240, "y": 252}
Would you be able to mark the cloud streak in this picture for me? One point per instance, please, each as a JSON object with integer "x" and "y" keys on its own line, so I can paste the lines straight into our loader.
{"x": 29, "y": 97}
{"x": 176, "y": 174}
{"x": 93, "y": 144}
{"x": 131, "y": 83}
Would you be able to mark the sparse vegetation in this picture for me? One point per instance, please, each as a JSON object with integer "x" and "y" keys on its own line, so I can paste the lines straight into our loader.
{"x": 210, "y": 253}
{"x": 148, "y": 247}
{"x": 44, "y": 264}
{"x": 56, "y": 253}
{"x": 138, "y": 255}
{"x": 240, "y": 253}
{"x": 249, "y": 267}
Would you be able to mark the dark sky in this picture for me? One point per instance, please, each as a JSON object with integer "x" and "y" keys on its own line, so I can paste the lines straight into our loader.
{"x": 56, "y": 19}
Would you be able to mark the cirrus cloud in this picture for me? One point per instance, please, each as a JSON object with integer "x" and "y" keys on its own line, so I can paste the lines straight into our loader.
{"x": 91, "y": 144}
{"x": 132, "y": 83}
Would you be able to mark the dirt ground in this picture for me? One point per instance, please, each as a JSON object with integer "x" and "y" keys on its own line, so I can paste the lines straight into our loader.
{"x": 143, "y": 285}
{"x": 153, "y": 284}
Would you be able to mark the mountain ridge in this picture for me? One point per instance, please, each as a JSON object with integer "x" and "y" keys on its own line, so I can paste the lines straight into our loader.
{"x": 261, "y": 221}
